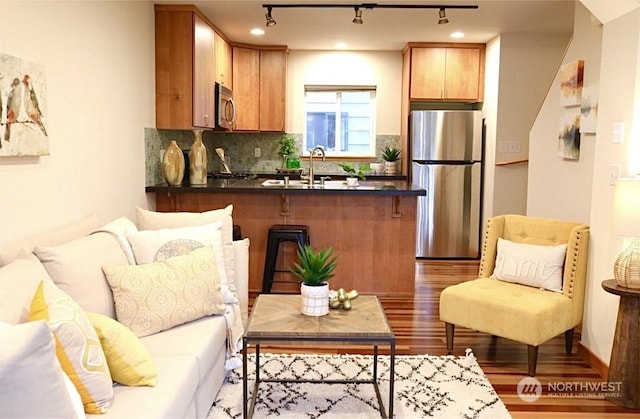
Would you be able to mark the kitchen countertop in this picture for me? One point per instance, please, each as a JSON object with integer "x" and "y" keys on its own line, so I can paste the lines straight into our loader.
{"x": 367, "y": 187}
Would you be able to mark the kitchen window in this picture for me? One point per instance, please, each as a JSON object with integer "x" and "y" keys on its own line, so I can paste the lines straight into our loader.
{"x": 340, "y": 119}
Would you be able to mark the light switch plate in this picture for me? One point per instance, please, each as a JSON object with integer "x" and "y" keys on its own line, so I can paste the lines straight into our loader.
{"x": 614, "y": 174}
{"x": 617, "y": 137}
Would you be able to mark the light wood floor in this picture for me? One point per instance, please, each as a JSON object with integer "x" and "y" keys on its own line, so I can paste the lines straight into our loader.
{"x": 419, "y": 330}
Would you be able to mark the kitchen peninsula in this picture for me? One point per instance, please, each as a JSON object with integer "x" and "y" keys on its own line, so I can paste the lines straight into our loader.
{"x": 370, "y": 226}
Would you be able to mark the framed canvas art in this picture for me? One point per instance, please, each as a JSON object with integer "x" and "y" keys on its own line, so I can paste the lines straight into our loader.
{"x": 569, "y": 136}
{"x": 589, "y": 109}
{"x": 23, "y": 108}
{"x": 571, "y": 79}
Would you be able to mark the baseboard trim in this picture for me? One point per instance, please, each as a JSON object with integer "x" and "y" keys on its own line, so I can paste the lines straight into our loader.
{"x": 593, "y": 361}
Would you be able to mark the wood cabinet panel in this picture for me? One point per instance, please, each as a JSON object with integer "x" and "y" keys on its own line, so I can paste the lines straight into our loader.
{"x": 462, "y": 79}
{"x": 376, "y": 251}
{"x": 447, "y": 73}
{"x": 223, "y": 62}
{"x": 184, "y": 48}
{"x": 273, "y": 76}
{"x": 259, "y": 88}
{"x": 203, "y": 74}
{"x": 246, "y": 88}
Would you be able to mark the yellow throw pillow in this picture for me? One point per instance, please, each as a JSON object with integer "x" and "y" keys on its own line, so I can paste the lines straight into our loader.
{"x": 77, "y": 346}
{"x": 129, "y": 361}
{"x": 158, "y": 296}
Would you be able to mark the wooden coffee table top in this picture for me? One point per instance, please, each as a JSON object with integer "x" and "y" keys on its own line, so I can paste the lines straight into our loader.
{"x": 278, "y": 316}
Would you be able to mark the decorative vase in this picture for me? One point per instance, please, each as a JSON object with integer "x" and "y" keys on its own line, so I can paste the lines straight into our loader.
{"x": 314, "y": 299}
{"x": 391, "y": 167}
{"x": 352, "y": 181}
{"x": 198, "y": 160}
{"x": 173, "y": 164}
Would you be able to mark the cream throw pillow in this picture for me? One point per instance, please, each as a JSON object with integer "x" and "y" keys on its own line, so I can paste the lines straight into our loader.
{"x": 32, "y": 384}
{"x": 158, "y": 296}
{"x": 158, "y": 245}
{"x": 150, "y": 220}
{"x": 530, "y": 264}
{"x": 76, "y": 268}
{"x": 19, "y": 281}
{"x": 77, "y": 346}
{"x": 129, "y": 361}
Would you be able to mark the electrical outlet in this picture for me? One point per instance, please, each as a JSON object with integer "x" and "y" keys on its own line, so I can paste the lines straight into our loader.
{"x": 509, "y": 147}
{"x": 257, "y": 152}
{"x": 614, "y": 173}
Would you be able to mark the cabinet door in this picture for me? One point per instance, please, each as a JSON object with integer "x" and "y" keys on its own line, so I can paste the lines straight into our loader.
{"x": 462, "y": 78}
{"x": 223, "y": 62}
{"x": 246, "y": 88}
{"x": 174, "y": 69}
{"x": 273, "y": 76}
{"x": 203, "y": 74}
{"x": 427, "y": 73}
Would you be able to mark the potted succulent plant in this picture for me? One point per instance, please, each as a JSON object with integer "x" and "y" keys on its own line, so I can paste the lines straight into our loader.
{"x": 286, "y": 149}
{"x": 390, "y": 155}
{"x": 314, "y": 268}
{"x": 352, "y": 173}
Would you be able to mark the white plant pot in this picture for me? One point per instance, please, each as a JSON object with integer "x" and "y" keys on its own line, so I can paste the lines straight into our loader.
{"x": 352, "y": 181}
{"x": 314, "y": 299}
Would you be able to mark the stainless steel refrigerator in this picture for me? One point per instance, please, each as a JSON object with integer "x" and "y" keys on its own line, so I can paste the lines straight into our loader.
{"x": 446, "y": 159}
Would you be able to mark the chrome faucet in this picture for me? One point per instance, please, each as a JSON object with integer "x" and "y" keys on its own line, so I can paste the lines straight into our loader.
{"x": 312, "y": 152}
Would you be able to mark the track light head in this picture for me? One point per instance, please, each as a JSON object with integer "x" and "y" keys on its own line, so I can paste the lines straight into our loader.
{"x": 358, "y": 17}
{"x": 442, "y": 17}
{"x": 270, "y": 20}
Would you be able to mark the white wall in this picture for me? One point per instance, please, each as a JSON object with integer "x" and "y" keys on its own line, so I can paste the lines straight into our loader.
{"x": 522, "y": 87}
{"x": 619, "y": 102}
{"x": 376, "y": 68}
{"x": 580, "y": 190}
{"x": 100, "y": 80}
{"x": 567, "y": 183}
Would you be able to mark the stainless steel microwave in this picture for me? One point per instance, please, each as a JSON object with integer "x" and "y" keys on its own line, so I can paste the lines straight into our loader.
{"x": 225, "y": 107}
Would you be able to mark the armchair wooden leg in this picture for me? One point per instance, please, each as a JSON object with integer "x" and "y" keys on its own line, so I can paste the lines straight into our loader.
{"x": 532, "y": 359}
{"x": 450, "y": 329}
{"x": 568, "y": 341}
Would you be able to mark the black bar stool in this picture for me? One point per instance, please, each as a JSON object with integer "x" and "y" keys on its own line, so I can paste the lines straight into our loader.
{"x": 278, "y": 234}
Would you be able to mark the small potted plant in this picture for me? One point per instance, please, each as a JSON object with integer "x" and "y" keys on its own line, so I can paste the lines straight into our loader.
{"x": 314, "y": 268}
{"x": 390, "y": 155}
{"x": 287, "y": 149}
{"x": 352, "y": 173}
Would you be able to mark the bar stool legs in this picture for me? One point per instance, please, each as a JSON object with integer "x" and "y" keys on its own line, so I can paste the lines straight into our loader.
{"x": 277, "y": 235}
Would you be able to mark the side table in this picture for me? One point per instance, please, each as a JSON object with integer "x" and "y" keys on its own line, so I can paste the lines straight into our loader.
{"x": 624, "y": 366}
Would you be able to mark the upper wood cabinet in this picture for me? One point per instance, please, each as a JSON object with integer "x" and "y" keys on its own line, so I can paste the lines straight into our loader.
{"x": 184, "y": 43}
{"x": 223, "y": 61}
{"x": 446, "y": 72}
{"x": 259, "y": 87}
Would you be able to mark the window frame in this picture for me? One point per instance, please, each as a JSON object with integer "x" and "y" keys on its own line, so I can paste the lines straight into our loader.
{"x": 339, "y": 89}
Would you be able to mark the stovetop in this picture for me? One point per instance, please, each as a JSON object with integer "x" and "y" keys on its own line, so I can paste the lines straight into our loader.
{"x": 219, "y": 175}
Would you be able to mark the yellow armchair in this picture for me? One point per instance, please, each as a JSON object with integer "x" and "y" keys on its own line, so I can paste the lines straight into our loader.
{"x": 520, "y": 312}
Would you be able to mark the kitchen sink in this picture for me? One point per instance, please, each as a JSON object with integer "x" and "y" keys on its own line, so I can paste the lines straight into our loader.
{"x": 280, "y": 182}
{"x": 328, "y": 184}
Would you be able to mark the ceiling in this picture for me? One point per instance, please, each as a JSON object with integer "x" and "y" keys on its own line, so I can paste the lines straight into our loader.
{"x": 383, "y": 29}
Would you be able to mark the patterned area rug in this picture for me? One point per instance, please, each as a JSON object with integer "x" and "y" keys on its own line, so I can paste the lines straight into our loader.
{"x": 425, "y": 386}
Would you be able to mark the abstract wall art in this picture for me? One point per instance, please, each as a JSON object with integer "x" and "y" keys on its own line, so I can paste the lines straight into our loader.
{"x": 569, "y": 136}
{"x": 589, "y": 110}
{"x": 571, "y": 79}
{"x": 23, "y": 108}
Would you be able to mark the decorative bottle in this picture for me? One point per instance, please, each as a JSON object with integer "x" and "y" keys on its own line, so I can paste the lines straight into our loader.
{"x": 173, "y": 164}
{"x": 198, "y": 160}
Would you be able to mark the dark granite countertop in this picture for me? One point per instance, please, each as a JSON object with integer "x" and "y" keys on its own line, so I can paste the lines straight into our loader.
{"x": 371, "y": 186}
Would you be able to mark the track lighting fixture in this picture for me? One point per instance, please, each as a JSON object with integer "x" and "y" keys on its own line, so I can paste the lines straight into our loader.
{"x": 358, "y": 9}
{"x": 358, "y": 18}
{"x": 270, "y": 20}
{"x": 443, "y": 17}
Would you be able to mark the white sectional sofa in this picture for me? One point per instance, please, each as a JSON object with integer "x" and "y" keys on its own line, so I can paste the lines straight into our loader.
{"x": 189, "y": 358}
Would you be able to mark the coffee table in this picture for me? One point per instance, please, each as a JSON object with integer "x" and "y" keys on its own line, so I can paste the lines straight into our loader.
{"x": 276, "y": 318}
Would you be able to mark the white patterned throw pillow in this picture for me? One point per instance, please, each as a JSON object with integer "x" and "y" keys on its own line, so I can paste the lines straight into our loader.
{"x": 530, "y": 264}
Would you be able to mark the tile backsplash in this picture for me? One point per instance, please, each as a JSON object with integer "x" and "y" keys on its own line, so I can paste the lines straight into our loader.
{"x": 239, "y": 148}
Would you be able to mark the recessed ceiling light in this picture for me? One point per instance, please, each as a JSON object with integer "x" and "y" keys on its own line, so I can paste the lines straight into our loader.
{"x": 257, "y": 31}
{"x": 457, "y": 35}
{"x": 340, "y": 45}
